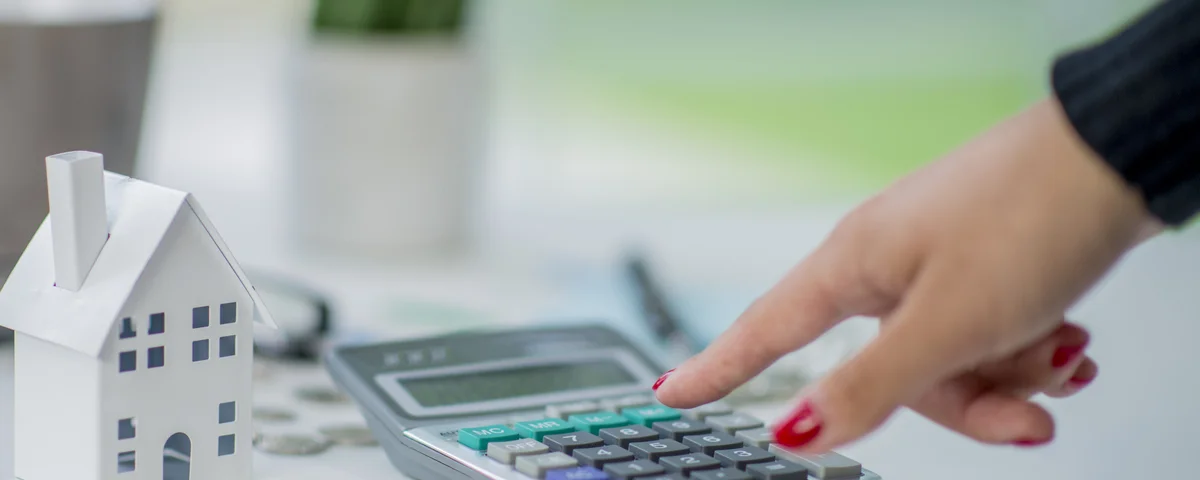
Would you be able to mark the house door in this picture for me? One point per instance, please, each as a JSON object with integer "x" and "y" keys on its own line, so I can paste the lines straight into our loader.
{"x": 177, "y": 458}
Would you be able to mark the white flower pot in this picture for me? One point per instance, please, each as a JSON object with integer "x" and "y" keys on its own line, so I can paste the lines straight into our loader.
{"x": 385, "y": 131}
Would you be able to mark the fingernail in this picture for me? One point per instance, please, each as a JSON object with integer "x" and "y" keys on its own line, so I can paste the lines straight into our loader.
{"x": 1077, "y": 383}
{"x": 663, "y": 378}
{"x": 800, "y": 428}
{"x": 1030, "y": 443}
{"x": 1065, "y": 355}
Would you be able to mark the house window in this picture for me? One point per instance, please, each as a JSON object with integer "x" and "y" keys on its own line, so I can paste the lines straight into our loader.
{"x": 126, "y": 461}
{"x": 227, "y": 412}
{"x": 228, "y": 346}
{"x": 228, "y": 313}
{"x": 225, "y": 445}
{"x": 158, "y": 323}
{"x": 127, "y": 361}
{"x": 127, "y": 330}
{"x": 200, "y": 350}
{"x": 126, "y": 429}
{"x": 156, "y": 357}
{"x": 200, "y": 317}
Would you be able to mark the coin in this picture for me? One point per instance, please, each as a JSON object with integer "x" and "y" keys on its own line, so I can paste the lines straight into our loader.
{"x": 321, "y": 394}
{"x": 293, "y": 444}
{"x": 273, "y": 415}
{"x": 350, "y": 435}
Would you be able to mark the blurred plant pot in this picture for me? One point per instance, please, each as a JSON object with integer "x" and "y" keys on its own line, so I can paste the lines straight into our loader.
{"x": 386, "y": 127}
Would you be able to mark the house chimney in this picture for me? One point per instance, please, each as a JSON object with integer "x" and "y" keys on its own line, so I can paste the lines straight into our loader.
{"x": 78, "y": 217}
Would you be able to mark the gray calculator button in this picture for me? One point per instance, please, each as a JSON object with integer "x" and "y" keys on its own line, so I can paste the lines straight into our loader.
{"x": 686, "y": 464}
{"x": 733, "y": 423}
{"x": 536, "y": 466}
{"x": 600, "y": 456}
{"x": 711, "y": 442}
{"x": 657, "y": 449}
{"x": 722, "y": 474}
{"x": 740, "y": 457}
{"x": 616, "y": 404}
{"x": 822, "y": 465}
{"x": 777, "y": 470}
{"x": 638, "y": 468}
{"x": 507, "y": 452}
{"x": 567, "y": 409}
{"x": 709, "y": 410}
{"x": 623, "y": 436}
{"x": 758, "y": 437}
{"x": 669, "y": 476}
{"x": 677, "y": 429}
{"x": 568, "y": 442}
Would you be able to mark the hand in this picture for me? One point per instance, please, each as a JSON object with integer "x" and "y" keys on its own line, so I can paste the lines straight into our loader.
{"x": 970, "y": 264}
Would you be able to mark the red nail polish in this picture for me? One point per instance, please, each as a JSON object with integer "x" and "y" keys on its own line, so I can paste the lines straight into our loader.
{"x": 1065, "y": 355}
{"x": 663, "y": 378}
{"x": 1031, "y": 442}
{"x": 800, "y": 428}
{"x": 1076, "y": 383}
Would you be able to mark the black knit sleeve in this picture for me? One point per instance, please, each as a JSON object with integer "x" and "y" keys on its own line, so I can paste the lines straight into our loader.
{"x": 1135, "y": 99}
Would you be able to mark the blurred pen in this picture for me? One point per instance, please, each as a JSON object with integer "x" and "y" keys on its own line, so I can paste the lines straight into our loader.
{"x": 657, "y": 313}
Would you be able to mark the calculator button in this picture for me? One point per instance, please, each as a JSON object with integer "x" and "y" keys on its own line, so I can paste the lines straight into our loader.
{"x": 507, "y": 452}
{"x": 686, "y": 464}
{"x": 722, "y": 474}
{"x": 567, "y": 409}
{"x": 648, "y": 415}
{"x": 616, "y": 404}
{"x": 709, "y": 443}
{"x": 579, "y": 473}
{"x": 638, "y": 468}
{"x": 758, "y": 437}
{"x": 568, "y": 442}
{"x": 669, "y": 476}
{"x": 777, "y": 470}
{"x": 479, "y": 437}
{"x": 623, "y": 436}
{"x": 677, "y": 429}
{"x": 740, "y": 457}
{"x": 593, "y": 422}
{"x": 599, "y": 456}
{"x": 536, "y": 466}
{"x": 657, "y": 449}
{"x": 539, "y": 428}
{"x": 822, "y": 465}
{"x": 733, "y": 423}
{"x": 709, "y": 410}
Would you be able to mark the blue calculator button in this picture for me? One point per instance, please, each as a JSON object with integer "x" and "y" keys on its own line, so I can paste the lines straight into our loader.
{"x": 582, "y": 473}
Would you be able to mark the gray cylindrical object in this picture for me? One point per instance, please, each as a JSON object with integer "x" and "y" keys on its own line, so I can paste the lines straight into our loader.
{"x": 65, "y": 85}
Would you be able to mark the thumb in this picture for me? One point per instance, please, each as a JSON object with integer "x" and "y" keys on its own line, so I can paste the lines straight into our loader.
{"x": 933, "y": 335}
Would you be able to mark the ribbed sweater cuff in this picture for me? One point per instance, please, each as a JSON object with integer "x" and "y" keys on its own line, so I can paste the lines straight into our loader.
{"x": 1135, "y": 99}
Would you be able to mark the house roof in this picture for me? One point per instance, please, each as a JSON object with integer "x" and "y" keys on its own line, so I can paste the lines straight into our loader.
{"x": 139, "y": 215}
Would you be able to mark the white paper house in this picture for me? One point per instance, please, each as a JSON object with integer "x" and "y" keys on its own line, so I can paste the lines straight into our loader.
{"x": 133, "y": 335}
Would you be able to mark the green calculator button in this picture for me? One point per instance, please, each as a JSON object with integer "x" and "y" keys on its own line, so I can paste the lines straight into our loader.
{"x": 649, "y": 414}
{"x": 593, "y": 422}
{"x": 540, "y": 428}
{"x": 479, "y": 437}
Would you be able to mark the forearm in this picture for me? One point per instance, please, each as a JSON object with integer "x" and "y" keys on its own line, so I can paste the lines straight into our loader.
{"x": 1135, "y": 100}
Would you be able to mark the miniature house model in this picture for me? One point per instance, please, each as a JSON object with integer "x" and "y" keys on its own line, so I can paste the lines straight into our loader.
{"x": 133, "y": 335}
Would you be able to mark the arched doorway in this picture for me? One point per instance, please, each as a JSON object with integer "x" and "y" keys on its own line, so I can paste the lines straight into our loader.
{"x": 177, "y": 458}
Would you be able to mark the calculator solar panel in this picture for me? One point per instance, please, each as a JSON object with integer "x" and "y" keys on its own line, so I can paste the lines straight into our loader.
{"x": 567, "y": 403}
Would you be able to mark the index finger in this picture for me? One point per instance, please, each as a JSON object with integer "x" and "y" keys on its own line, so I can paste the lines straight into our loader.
{"x": 792, "y": 314}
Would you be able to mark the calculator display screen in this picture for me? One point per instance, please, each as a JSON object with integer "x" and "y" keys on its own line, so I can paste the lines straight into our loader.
{"x": 516, "y": 382}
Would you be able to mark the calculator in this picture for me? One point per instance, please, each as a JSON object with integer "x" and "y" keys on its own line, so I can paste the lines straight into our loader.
{"x": 563, "y": 403}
